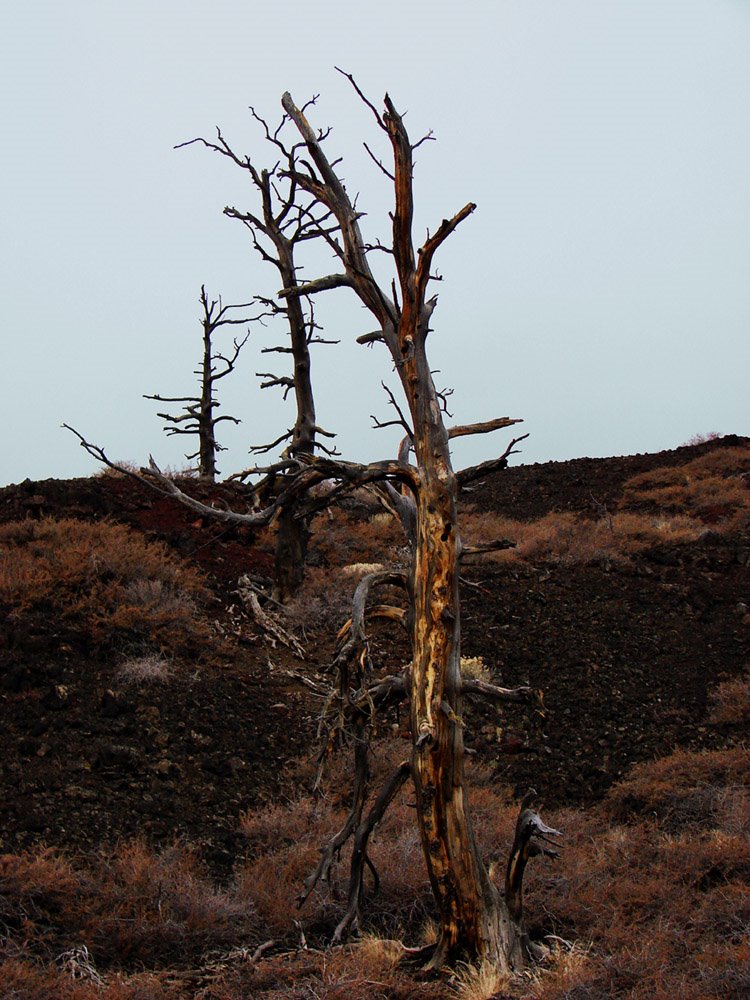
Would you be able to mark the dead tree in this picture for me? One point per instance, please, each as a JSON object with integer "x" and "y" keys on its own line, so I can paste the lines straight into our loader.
{"x": 285, "y": 219}
{"x": 475, "y": 919}
{"x": 197, "y": 416}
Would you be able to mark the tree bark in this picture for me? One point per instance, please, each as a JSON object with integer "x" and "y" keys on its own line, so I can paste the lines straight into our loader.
{"x": 293, "y": 532}
{"x": 474, "y": 919}
{"x": 292, "y": 535}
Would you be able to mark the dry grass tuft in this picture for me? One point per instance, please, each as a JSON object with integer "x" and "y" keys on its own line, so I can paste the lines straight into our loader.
{"x": 475, "y": 668}
{"x": 144, "y": 670}
{"x": 731, "y": 702}
{"x": 106, "y": 581}
{"x": 479, "y": 982}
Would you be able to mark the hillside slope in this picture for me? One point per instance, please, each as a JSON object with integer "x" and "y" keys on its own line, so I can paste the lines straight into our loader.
{"x": 625, "y": 651}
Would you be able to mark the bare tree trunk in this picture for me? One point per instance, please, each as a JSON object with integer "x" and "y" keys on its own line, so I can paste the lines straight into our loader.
{"x": 292, "y": 535}
{"x": 206, "y": 438}
{"x": 293, "y": 532}
{"x": 473, "y": 919}
{"x": 197, "y": 416}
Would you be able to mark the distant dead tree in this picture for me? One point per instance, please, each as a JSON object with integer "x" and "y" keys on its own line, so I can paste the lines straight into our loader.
{"x": 198, "y": 412}
{"x": 478, "y": 921}
{"x": 284, "y": 219}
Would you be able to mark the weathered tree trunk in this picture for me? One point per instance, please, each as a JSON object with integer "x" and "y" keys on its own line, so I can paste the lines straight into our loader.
{"x": 293, "y": 532}
{"x": 473, "y": 918}
{"x": 206, "y": 438}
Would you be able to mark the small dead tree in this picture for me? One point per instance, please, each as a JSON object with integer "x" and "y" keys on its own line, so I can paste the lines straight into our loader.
{"x": 198, "y": 413}
{"x": 285, "y": 219}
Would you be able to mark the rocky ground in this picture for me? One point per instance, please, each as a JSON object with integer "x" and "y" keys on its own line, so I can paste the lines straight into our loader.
{"x": 624, "y": 654}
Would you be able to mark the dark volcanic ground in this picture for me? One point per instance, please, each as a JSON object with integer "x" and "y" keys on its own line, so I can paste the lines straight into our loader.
{"x": 625, "y": 657}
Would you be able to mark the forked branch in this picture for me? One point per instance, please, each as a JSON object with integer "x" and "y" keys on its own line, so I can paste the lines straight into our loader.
{"x": 390, "y": 790}
{"x": 530, "y": 837}
{"x": 474, "y": 472}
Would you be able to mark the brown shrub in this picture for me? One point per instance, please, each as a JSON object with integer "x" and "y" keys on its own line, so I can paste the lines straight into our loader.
{"x": 136, "y": 906}
{"x": 22, "y": 980}
{"x": 105, "y": 580}
{"x": 649, "y": 899}
{"x": 323, "y": 603}
{"x": 670, "y": 504}
{"x": 712, "y": 489}
{"x": 731, "y": 702}
{"x": 160, "y": 903}
{"x": 683, "y": 788}
{"x": 569, "y": 539}
{"x": 663, "y": 914}
{"x": 365, "y": 535}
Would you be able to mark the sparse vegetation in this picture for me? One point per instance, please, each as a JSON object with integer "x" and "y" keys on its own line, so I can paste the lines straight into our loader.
{"x": 649, "y": 898}
{"x": 110, "y": 585}
{"x": 150, "y": 669}
{"x": 672, "y": 505}
{"x": 731, "y": 702}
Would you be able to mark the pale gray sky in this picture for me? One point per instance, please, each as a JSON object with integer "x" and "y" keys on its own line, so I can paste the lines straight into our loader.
{"x": 600, "y": 290}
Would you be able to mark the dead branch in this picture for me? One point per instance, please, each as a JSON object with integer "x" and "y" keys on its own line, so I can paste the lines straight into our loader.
{"x": 356, "y": 643}
{"x": 498, "y": 545}
{"x": 390, "y": 790}
{"x": 474, "y": 472}
{"x": 267, "y": 623}
{"x": 482, "y": 428}
{"x": 319, "y": 285}
{"x": 530, "y": 835}
{"x": 331, "y": 851}
{"x": 481, "y": 689}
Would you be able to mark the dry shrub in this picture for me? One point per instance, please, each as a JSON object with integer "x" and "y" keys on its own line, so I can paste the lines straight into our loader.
{"x": 23, "y": 980}
{"x": 365, "y": 535}
{"x": 344, "y": 546}
{"x": 569, "y": 539}
{"x": 731, "y": 702}
{"x": 665, "y": 913}
{"x": 351, "y": 972}
{"x": 104, "y": 579}
{"x": 697, "y": 439}
{"x": 149, "y": 669}
{"x": 684, "y": 787}
{"x": 160, "y": 905}
{"x": 712, "y": 489}
{"x": 127, "y": 468}
{"x": 136, "y": 906}
{"x": 649, "y": 899}
{"x": 323, "y": 603}
{"x": 287, "y": 839}
{"x": 38, "y": 895}
{"x": 475, "y": 668}
{"x": 666, "y": 505}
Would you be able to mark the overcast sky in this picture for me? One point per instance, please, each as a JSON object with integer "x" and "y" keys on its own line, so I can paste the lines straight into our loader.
{"x": 600, "y": 291}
